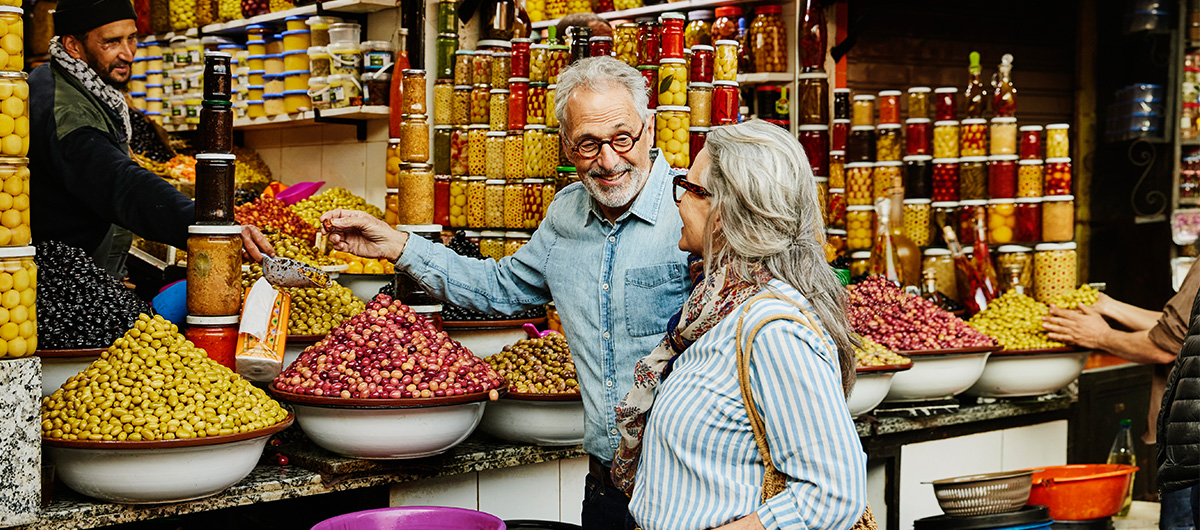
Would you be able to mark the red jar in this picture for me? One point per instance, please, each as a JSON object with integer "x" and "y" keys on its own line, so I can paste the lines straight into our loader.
{"x": 1029, "y": 220}
{"x": 837, "y": 208}
{"x": 966, "y": 220}
{"x": 974, "y": 133}
{"x": 650, "y": 72}
{"x": 945, "y": 101}
{"x": 725, "y": 103}
{"x": 1031, "y": 142}
{"x": 217, "y": 336}
{"x": 889, "y": 106}
{"x": 815, "y": 140}
{"x": 518, "y": 98}
{"x": 702, "y": 64}
{"x": 520, "y": 57}
{"x": 917, "y": 132}
{"x": 945, "y": 179}
{"x": 600, "y": 46}
{"x": 696, "y": 138}
{"x": 838, "y": 133}
{"x": 441, "y": 200}
{"x": 1002, "y": 176}
{"x": 672, "y": 35}
{"x": 1057, "y": 176}
{"x": 649, "y": 43}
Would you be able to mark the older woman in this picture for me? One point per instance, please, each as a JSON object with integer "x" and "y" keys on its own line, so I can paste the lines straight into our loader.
{"x": 749, "y": 208}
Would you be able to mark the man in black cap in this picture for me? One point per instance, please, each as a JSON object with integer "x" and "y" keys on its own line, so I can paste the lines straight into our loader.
{"x": 83, "y": 182}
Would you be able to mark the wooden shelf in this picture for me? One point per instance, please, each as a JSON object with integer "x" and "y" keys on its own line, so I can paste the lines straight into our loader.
{"x": 686, "y": 5}
{"x": 769, "y": 77}
{"x": 372, "y": 112}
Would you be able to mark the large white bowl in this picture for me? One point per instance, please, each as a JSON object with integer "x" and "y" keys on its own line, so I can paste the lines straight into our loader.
{"x": 161, "y": 471}
{"x": 60, "y": 365}
{"x": 384, "y": 429}
{"x": 541, "y": 419}
{"x": 487, "y": 338}
{"x": 1032, "y": 373}
{"x": 871, "y": 385}
{"x": 939, "y": 374}
{"x": 365, "y": 286}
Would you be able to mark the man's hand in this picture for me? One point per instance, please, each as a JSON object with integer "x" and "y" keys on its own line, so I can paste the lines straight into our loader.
{"x": 255, "y": 244}
{"x": 1085, "y": 327}
{"x": 363, "y": 235}
{"x": 1104, "y": 305}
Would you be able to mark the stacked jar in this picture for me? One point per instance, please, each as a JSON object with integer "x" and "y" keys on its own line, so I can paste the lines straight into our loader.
{"x": 417, "y": 199}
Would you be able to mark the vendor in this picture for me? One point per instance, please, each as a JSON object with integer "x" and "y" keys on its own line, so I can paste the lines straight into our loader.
{"x": 84, "y": 185}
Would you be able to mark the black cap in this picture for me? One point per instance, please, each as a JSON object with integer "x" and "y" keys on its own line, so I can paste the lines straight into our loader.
{"x": 75, "y": 17}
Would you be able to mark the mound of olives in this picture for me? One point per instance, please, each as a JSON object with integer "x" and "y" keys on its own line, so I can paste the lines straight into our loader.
{"x": 872, "y": 353}
{"x": 537, "y": 366}
{"x": 1015, "y": 321}
{"x": 312, "y": 208}
{"x": 1084, "y": 295}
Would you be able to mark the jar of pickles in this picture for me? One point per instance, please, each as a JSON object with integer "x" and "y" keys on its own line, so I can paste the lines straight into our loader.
{"x": 1031, "y": 141}
{"x": 859, "y": 263}
{"x": 493, "y": 205}
{"x": 625, "y": 43}
{"x": 696, "y": 138}
{"x": 1058, "y": 218}
{"x": 480, "y": 105}
{"x": 841, "y": 104}
{"x": 945, "y": 179}
{"x": 491, "y": 245}
{"x": 835, "y": 214}
{"x": 860, "y": 147}
{"x": 813, "y": 92}
{"x": 838, "y": 132}
{"x": 671, "y": 135}
{"x": 513, "y": 241}
{"x": 498, "y": 109}
{"x": 725, "y": 59}
{"x": 534, "y": 145}
{"x": 815, "y": 141}
{"x": 860, "y": 187}
{"x": 650, "y": 74}
{"x": 889, "y": 107}
{"x": 1002, "y": 221}
{"x": 458, "y": 202}
{"x": 476, "y": 202}
{"x": 1029, "y": 178}
{"x": 860, "y": 227}
{"x": 1055, "y": 270}
{"x": 974, "y": 137}
{"x": 514, "y": 206}
{"x": 514, "y": 155}
{"x": 518, "y": 100}
{"x": 1014, "y": 258}
{"x": 918, "y": 226}
{"x": 394, "y": 164}
{"x": 415, "y": 206}
{"x": 495, "y": 155}
{"x": 211, "y": 291}
{"x": 501, "y": 69}
{"x": 477, "y": 149}
{"x": 917, "y": 134}
{"x": 650, "y": 41}
{"x": 918, "y": 102}
{"x": 441, "y": 149}
{"x": 463, "y": 61}
{"x": 414, "y": 91}
{"x": 945, "y": 103}
{"x": 942, "y": 263}
{"x": 967, "y": 210}
{"x": 725, "y": 103}
{"x": 460, "y": 106}
{"x": 837, "y": 169}
{"x": 767, "y": 39}
{"x": 1003, "y": 136}
{"x": 481, "y": 69}
{"x": 1058, "y": 176}
{"x": 864, "y": 110}
{"x": 535, "y": 108}
{"x": 520, "y": 57}
{"x": 886, "y": 175}
{"x": 836, "y": 238}
{"x": 1029, "y": 219}
{"x": 945, "y": 139}
{"x": 973, "y": 177}
{"x": 551, "y": 116}
{"x": 539, "y": 63}
{"x": 887, "y": 142}
{"x": 701, "y": 66}
{"x": 532, "y": 203}
{"x": 673, "y": 82}
{"x": 918, "y": 177}
{"x": 550, "y": 152}
{"x": 1002, "y": 176}
{"x": 1058, "y": 142}
{"x": 822, "y": 192}
{"x": 700, "y": 101}
{"x": 945, "y": 213}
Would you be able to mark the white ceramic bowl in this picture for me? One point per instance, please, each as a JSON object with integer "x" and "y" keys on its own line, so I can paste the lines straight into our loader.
{"x": 158, "y": 472}
{"x": 541, "y": 419}
{"x": 871, "y": 385}
{"x": 60, "y": 365}
{"x": 365, "y": 286}
{"x": 386, "y": 429}
{"x": 939, "y": 374}
{"x": 484, "y": 341}
{"x": 1020, "y": 374}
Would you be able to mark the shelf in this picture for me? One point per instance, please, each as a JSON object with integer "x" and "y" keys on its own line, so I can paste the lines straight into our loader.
{"x": 340, "y": 6}
{"x": 686, "y": 5}
{"x": 1191, "y": 142}
{"x": 372, "y": 112}
{"x": 1187, "y": 201}
{"x": 768, "y": 77}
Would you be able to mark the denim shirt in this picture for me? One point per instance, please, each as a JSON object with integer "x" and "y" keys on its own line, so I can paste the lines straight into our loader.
{"x": 615, "y": 287}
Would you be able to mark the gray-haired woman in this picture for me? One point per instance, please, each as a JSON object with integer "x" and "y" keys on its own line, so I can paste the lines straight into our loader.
{"x": 763, "y": 339}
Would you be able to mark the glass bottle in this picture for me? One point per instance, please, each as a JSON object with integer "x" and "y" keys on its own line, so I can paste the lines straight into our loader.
{"x": 975, "y": 93}
{"x": 812, "y": 37}
{"x": 885, "y": 260}
{"x": 929, "y": 289}
{"x": 397, "y": 89}
{"x": 907, "y": 251}
{"x": 971, "y": 288}
{"x": 1004, "y": 99}
{"x": 982, "y": 257}
{"x": 1122, "y": 453}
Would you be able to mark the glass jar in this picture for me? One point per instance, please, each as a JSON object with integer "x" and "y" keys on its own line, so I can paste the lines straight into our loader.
{"x": 415, "y": 206}
{"x": 1058, "y": 141}
{"x": 494, "y": 203}
{"x": 673, "y": 82}
{"x": 441, "y": 149}
{"x": 599, "y": 46}
{"x": 1029, "y": 219}
{"x": 700, "y": 101}
{"x": 1058, "y": 176}
{"x": 217, "y": 336}
{"x": 460, "y": 111}
{"x": 1002, "y": 176}
{"x": 918, "y": 227}
{"x": 513, "y": 241}
{"x": 837, "y": 169}
{"x": 532, "y": 203}
{"x": 463, "y": 62}
{"x": 973, "y": 177}
{"x": 1002, "y": 221}
{"x": 520, "y": 57}
{"x": 822, "y": 193}
{"x": 533, "y": 145}
{"x": 514, "y": 155}
{"x": 414, "y": 138}
{"x": 671, "y": 135}
{"x": 14, "y": 173}
{"x": 945, "y": 179}
{"x": 1055, "y": 270}
{"x": 501, "y": 69}
{"x": 815, "y": 141}
{"x": 1014, "y": 257}
{"x": 460, "y": 151}
{"x": 625, "y": 43}
{"x": 498, "y": 109}
{"x": 701, "y": 67}
{"x": 918, "y": 177}
{"x": 917, "y": 134}
{"x": 945, "y": 213}
{"x": 887, "y": 142}
{"x": 215, "y": 290}
{"x": 918, "y": 102}
{"x": 860, "y": 227}
{"x": 945, "y": 139}
{"x": 889, "y": 107}
{"x": 672, "y": 36}
{"x": 859, "y": 184}
{"x": 514, "y": 206}
{"x": 725, "y": 59}
{"x": 414, "y": 91}
{"x": 518, "y": 101}
{"x": 550, "y": 152}
{"x": 391, "y": 206}
{"x": 480, "y": 105}
{"x": 477, "y": 149}
{"x": 481, "y": 69}
{"x": 650, "y": 74}
{"x": 492, "y": 244}
{"x": 813, "y": 92}
{"x": 841, "y": 104}
{"x": 838, "y": 132}
{"x": 443, "y": 97}
{"x": 1058, "y": 218}
{"x": 945, "y": 103}
{"x": 214, "y": 189}
{"x": 1031, "y": 141}
{"x": 859, "y": 263}
{"x": 698, "y": 30}
{"x": 967, "y": 210}
{"x": 447, "y": 44}
{"x": 535, "y": 107}
{"x": 942, "y": 263}
{"x": 835, "y": 214}
{"x": 556, "y": 61}
{"x": 725, "y": 103}
{"x": 649, "y": 42}
{"x": 458, "y": 202}
{"x": 696, "y": 138}
{"x": 1004, "y": 136}
{"x": 864, "y": 111}
{"x": 495, "y": 155}
{"x": 836, "y": 238}
{"x": 860, "y": 147}
{"x": 1029, "y": 178}
{"x": 767, "y": 39}
{"x": 885, "y": 176}
{"x": 539, "y": 57}
{"x": 476, "y": 202}
{"x": 974, "y": 137}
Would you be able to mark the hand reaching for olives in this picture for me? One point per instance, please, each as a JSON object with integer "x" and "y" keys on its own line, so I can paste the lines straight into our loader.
{"x": 362, "y": 234}
{"x": 255, "y": 244}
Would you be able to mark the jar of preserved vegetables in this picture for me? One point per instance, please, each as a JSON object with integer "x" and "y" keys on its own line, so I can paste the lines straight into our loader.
{"x": 501, "y": 69}
{"x": 476, "y": 202}
{"x": 1058, "y": 176}
{"x": 859, "y": 263}
{"x": 974, "y": 137}
{"x": 838, "y": 132}
{"x": 918, "y": 225}
{"x": 673, "y": 82}
{"x": 463, "y": 62}
{"x": 458, "y": 202}
{"x": 918, "y": 177}
{"x": 696, "y": 138}
{"x": 945, "y": 139}
{"x": 725, "y": 60}
{"x": 729, "y": 24}
{"x": 1031, "y": 141}
{"x": 701, "y": 67}
{"x": 495, "y": 155}
{"x": 918, "y": 102}
{"x": 767, "y": 37}
{"x": 414, "y": 91}
{"x": 860, "y": 187}
{"x": 813, "y": 92}
{"x": 1058, "y": 142}
{"x": 494, "y": 203}
{"x": 860, "y": 227}
{"x": 886, "y": 175}
{"x": 1055, "y": 270}
{"x": 460, "y": 107}
{"x": 700, "y": 101}
{"x": 447, "y": 44}
{"x": 836, "y": 237}
{"x": 459, "y": 151}
{"x": 625, "y": 43}
{"x": 415, "y": 206}
{"x": 1002, "y": 176}
{"x": 600, "y": 46}
{"x": 550, "y": 152}
{"x": 945, "y": 213}
{"x": 521, "y": 49}
{"x": 492, "y": 244}
{"x": 1017, "y": 258}
{"x": 534, "y": 145}
{"x": 414, "y": 138}
{"x": 864, "y": 110}
{"x": 1002, "y": 221}
{"x": 211, "y": 291}
{"x": 889, "y": 107}
{"x": 1029, "y": 178}
{"x": 815, "y": 141}
{"x": 498, "y": 109}
{"x": 1058, "y": 218}
{"x": 556, "y": 61}
{"x": 481, "y": 69}
{"x": 1004, "y": 136}
{"x": 650, "y": 74}
{"x": 942, "y": 263}
{"x": 1029, "y": 219}
{"x": 671, "y": 134}
{"x": 945, "y": 179}
{"x": 967, "y": 210}
{"x": 835, "y": 214}
{"x": 518, "y": 101}
{"x": 837, "y": 169}
{"x": 532, "y": 202}
{"x": 443, "y": 97}
{"x": 441, "y": 149}
{"x": 945, "y": 102}
{"x": 861, "y": 145}
{"x": 480, "y": 105}
{"x": 699, "y": 29}
{"x": 514, "y": 155}
{"x": 513, "y": 241}
{"x": 841, "y": 104}
{"x": 917, "y": 134}
{"x": 535, "y": 108}
{"x": 887, "y": 142}
{"x": 539, "y": 59}
{"x": 672, "y": 35}
{"x": 477, "y": 149}
{"x": 973, "y": 177}
{"x": 725, "y": 103}
{"x": 514, "y": 206}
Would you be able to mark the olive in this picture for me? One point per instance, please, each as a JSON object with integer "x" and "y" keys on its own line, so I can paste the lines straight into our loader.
{"x": 541, "y": 366}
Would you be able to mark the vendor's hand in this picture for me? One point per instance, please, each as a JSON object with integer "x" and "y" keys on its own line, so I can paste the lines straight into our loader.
{"x": 255, "y": 244}
{"x": 363, "y": 235}
{"x": 1085, "y": 327}
{"x": 1103, "y": 305}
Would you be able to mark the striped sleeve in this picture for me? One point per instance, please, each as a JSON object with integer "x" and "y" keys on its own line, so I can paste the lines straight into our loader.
{"x": 797, "y": 387}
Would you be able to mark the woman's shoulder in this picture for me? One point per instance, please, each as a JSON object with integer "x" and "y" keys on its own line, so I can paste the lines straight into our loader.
{"x": 780, "y": 298}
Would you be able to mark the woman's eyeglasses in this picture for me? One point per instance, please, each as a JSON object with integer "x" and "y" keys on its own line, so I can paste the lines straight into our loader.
{"x": 621, "y": 143}
{"x": 682, "y": 186}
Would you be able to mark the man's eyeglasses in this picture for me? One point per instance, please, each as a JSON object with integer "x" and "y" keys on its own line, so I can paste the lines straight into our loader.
{"x": 682, "y": 186}
{"x": 622, "y": 143}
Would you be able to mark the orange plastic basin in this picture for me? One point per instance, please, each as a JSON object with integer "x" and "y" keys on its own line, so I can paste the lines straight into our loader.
{"x": 1081, "y": 492}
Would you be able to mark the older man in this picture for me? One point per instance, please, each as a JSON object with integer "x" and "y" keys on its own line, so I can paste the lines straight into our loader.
{"x": 607, "y": 254}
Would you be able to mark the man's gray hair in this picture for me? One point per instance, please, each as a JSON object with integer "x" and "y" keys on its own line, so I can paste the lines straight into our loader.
{"x": 599, "y": 74}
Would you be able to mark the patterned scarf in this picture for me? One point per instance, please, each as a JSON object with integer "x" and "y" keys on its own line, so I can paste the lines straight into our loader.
{"x": 105, "y": 92}
{"x": 712, "y": 299}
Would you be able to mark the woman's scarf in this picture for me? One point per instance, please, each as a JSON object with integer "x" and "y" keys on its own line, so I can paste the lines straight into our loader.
{"x": 713, "y": 298}
{"x": 105, "y": 92}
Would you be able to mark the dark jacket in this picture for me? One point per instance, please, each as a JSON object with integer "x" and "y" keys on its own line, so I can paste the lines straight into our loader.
{"x": 82, "y": 179}
{"x": 1179, "y": 417}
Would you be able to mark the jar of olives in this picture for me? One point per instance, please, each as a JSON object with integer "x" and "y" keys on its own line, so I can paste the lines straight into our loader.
{"x": 534, "y": 145}
{"x": 460, "y": 105}
{"x": 477, "y": 149}
{"x": 859, "y": 263}
{"x": 887, "y": 142}
{"x": 476, "y": 202}
{"x": 886, "y": 175}
{"x": 725, "y": 59}
{"x": 767, "y": 38}
{"x": 535, "y": 107}
{"x": 918, "y": 102}
{"x": 463, "y": 62}
{"x": 514, "y": 155}
{"x": 1055, "y": 270}
{"x": 513, "y": 241}
{"x": 539, "y": 57}
{"x": 1058, "y": 142}
{"x": 945, "y": 213}
{"x": 495, "y": 155}
{"x": 864, "y": 111}
{"x": 458, "y": 202}
{"x": 945, "y": 179}
{"x": 671, "y": 135}
{"x": 1058, "y": 176}
{"x": 945, "y": 139}
{"x": 625, "y": 43}
{"x": 481, "y": 69}
{"x": 480, "y": 105}
{"x": 673, "y": 82}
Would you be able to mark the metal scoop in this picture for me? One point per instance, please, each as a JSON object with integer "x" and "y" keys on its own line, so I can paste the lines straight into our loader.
{"x": 284, "y": 272}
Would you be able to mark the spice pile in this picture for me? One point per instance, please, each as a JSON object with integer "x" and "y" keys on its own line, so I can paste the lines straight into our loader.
{"x": 903, "y": 322}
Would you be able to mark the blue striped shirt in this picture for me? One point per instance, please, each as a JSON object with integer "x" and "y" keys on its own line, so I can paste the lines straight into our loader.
{"x": 700, "y": 467}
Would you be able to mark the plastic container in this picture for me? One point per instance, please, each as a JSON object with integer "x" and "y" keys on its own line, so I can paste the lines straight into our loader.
{"x": 345, "y": 32}
{"x": 1081, "y": 492}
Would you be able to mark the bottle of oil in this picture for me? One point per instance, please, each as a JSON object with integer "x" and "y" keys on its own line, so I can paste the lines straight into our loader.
{"x": 1122, "y": 453}
{"x": 975, "y": 94}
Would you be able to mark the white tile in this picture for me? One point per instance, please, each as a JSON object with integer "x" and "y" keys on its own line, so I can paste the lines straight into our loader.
{"x": 270, "y": 157}
{"x": 877, "y": 490}
{"x": 952, "y": 457}
{"x": 375, "y": 184}
{"x": 333, "y": 133}
{"x": 571, "y": 483}
{"x": 344, "y": 165}
{"x": 1044, "y": 444}
{"x": 298, "y": 164}
{"x": 458, "y": 491}
{"x": 377, "y": 130}
{"x": 304, "y": 135}
{"x": 523, "y": 492}
{"x": 260, "y": 138}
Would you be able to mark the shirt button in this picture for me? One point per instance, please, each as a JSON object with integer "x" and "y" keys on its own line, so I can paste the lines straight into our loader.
{"x": 614, "y": 432}
{"x": 606, "y": 335}
{"x": 609, "y": 383}
{"x": 612, "y": 239}
{"x": 604, "y": 286}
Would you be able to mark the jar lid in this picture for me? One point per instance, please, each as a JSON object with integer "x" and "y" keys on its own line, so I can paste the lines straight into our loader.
{"x": 946, "y": 90}
{"x": 700, "y": 14}
{"x": 533, "y": 181}
{"x": 483, "y": 52}
{"x": 412, "y": 71}
{"x": 420, "y": 229}
{"x": 812, "y": 128}
{"x": 517, "y": 235}
{"x": 1064, "y": 160}
{"x": 821, "y": 179}
{"x": 974, "y": 121}
{"x": 768, "y": 88}
{"x": 477, "y": 177}
{"x": 946, "y": 123}
{"x": 441, "y": 127}
{"x": 918, "y": 201}
{"x": 701, "y": 86}
{"x": 813, "y": 75}
{"x": 841, "y": 121}
{"x": 672, "y": 15}
{"x": 600, "y": 38}
{"x": 1054, "y": 126}
{"x": 860, "y": 208}
{"x": 889, "y": 163}
{"x": 860, "y": 254}
{"x": 919, "y": 89}
{"x": 701, "y": 47}
{"x": 917, "y": 120}
{"x": 497, "y": 133}
{"x": 215, "y": 230}
{"x": 1029, "y": 200}
{"x": 1002, "y": 158}
{"x": 729, "y": 11}
{"x": 1005, "y": 249}
{"x": 726, "y": 42}
{"x": 534, "y": 127}
{"x": 888, "y": 93}
{"x": 292, "y": 52}
{"x": 973, "y": 202}
{"x": 464, "y": 52}
{"x": 864, "y": 97}
{"x": 699, "y": 129}
{"x": 518, "y": 80}
{"x": 968, "y": 250}
{"x": 725, "y": 83}
{"x": 1004, "y": 120}
{"x": 673, "y": 108}
{"x": 412, "y": 116}
{"x": 837, "y": 152}
{"x": 934, "y": 251}
{"x": 537, "y": 47}
{"x": 462, "y": 87}
{"x": 671, "y": 61}
{"x": 945, "y": 204}
{"x": 297, "y": 32}
{"x": 863, "y": 128}
{"x": 17, "y": 252}
{"x": 888, "y": 126}
{"x": 1054, "y": 246}
{"x": 945, "y": 161}
{"x": 1002, "y": 201}
{"x": 1025, "y": 128}
{"x": 647, "y": 67}
{"x": 230, "y": 320}
{"x": 837, "y": 190}
{"x": 493, "y": 43}
{"x": 291, "y": 73}
{"x": 768, "y": 9}
{"x": 913, "y": 158}
{"x": 1058, "y": 198}
{"x": 835, "y": 232}
{"x": 501, "y": 54}
{"x": 841, "y": 91}
{"x": 479, "y": 126}
{"x": 856, "y": 165}
{"x": 498, "y": 91}
{"x": 1030, "y": 162}
{"x": 538, "y": 84}
{"x": 215, "y": 156}
{"x": 973, "y": 159}
{"x": 495, "y": 182}
{"x": 394, "y": 141}
{"x": 492, "y": 234}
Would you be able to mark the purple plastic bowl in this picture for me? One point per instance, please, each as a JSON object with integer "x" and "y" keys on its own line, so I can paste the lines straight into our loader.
{"x": 413, "y": 518}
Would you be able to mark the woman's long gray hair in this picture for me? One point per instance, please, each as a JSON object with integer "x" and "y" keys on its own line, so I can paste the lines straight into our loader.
{"x": 764, "y": 194}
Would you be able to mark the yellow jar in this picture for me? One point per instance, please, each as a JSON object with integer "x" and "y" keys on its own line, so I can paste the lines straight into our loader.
{"x": 493, "y": 203}
{"x": 415, "y": 205}
{"x": 460, "y": 106}
{"x": 391, "y": 207}
{"x": 860, "y": 187}
{"x": 498, "y": 109}
{"x": 14, "y": 111}
{"x": 514, "y": 206}
{"x": 514, "y": 156}
{"x": 477, "y": 150}
{"x": 414, "y": 138}
{"x": 1014, "y": 256}
{"x": 1002, "y": 221}
{"x": 18, "y": 292}
{"x": 458, "y": 202}
{"x": 625, "y": 43}
{"x": 1003, "y": 135}
{"x": 539, "y": 56}
{"x": 551, "y": 117}
{"x": 1029, "y": 178}
{"x": 480, "y": 103}
{"x": 888, "y": 143}
{"x": 672, "y": 82}
{"x": 886, "y": 175}
{"x": 214, "y": 273}
{"x": 393, "y": 165}
{"x": 945, "y": 139}
{"x": 859, "y": 263}
{"x": 725, "y": 60}
{"x": 864, "y": 111}
{"x": 495, "y": 155}
{"x": 534, "y": 147}
{"x": 443, "y": 104}
{"x": 672, "y": 135}
{"x": 12, "y": 39}
{"x": 550, "y": 154}
{"x": 1055, "y": 270}
{"x": 700, "y": 103}
{"x": 476, "y": 202}
{"x": 860, "y": 227}
{"x": 1058, "y": 218}
{"x": 1058, "y": 141}
{"x": 513, "y": 241}
{"x": 492, "y": 245}
{"x": 918, "y": 228}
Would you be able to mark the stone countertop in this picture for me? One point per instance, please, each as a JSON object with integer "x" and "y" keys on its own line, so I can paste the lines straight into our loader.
{"x": 968, "y": 413}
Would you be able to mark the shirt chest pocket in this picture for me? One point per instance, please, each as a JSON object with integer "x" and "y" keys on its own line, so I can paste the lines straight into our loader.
{"x": 652, "y": 295}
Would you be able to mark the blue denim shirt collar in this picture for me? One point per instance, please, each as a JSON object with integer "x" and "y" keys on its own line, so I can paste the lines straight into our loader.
{"x": 649, "y": 200}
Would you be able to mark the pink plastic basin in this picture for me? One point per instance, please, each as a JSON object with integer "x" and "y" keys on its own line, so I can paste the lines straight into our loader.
{"x": 413, "y": 518}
